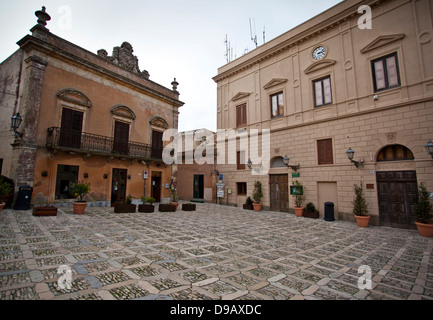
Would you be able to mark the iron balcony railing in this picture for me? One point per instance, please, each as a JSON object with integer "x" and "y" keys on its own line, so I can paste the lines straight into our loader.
{"x": 69, "y": 140}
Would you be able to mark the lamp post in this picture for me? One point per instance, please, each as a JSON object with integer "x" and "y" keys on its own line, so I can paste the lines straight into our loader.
{"x": 429, "y": 148}
{"x": 286, "y": 161}
{"x": 350, "y": 155}
{"x": 16, "y": 121}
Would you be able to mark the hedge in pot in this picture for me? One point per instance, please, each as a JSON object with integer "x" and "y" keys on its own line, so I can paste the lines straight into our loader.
{"x": 80, "y": 190}
{"x": 167, "y": 207}
{"x": 6, "y": 191}
{"x": 423, "y": 213}
{"x": 310, "y": 211}
{"x": 360, "y": 207}
{"x": 248, "y": 205}
{"x": 257, "y": 196}
{"x": 147, "y": 205}
{"x": 126, "y": 207}
{"x": 188, "y": 207}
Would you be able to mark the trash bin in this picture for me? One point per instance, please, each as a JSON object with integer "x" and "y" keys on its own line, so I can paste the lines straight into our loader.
{"x": 24, "y": 198}
{"x": 329, "y": 211}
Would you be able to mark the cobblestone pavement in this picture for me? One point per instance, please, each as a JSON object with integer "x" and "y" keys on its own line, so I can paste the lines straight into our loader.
{"x": 216, "y": 252}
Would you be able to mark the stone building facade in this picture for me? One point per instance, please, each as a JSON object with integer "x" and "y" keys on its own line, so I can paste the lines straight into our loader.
{"x": 85, "y": 117}
{"x": 340, "y": 80}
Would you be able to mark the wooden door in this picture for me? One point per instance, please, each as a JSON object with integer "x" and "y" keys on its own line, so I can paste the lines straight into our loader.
{"x": 118, "y": 186}
{"x": 156, "y": 186}
{"x": 121, "y": 137}
{"x": 198, "y": 186}
{"x": 397, "y": 196}
{"x": 279, "y": 192}
{"x": 157, "y": 144}
{"x": 71, "y": 128}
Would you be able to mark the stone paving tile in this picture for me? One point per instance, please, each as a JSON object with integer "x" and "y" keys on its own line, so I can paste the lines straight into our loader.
{"x": 216, "y": 252}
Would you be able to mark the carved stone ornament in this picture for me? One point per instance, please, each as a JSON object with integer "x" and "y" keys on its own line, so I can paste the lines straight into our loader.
{"x": 391, "y": 137}
{"x": 123, "y": 57}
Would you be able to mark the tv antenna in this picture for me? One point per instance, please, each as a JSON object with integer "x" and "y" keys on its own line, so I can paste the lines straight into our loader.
{"x": 254, "y": 39}
{"x": 229, "y": 50}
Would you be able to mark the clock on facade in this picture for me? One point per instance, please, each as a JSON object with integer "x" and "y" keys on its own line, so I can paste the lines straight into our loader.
{"x": 319, "y": 53}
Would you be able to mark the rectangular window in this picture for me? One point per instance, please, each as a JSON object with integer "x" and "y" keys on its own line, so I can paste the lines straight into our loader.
{"x": 277, "y": 105}
{"x": 242, "y": 188}
{"x": 240, "y": 160}
{"x": 157, "y": 144}
{"x": 385, "y": 72}
{"x": 324, "y": 151}
{"x": 241, "y": 115}
{"x": 322, "y": 92}
{"x": 121, "y": 137}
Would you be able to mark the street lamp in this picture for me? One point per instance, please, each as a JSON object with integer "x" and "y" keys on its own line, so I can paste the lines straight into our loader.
{"x": 286, "y": 161}
{"x": 15, "y": 124}
{"x": 429, "y": 148}
{"x": 350, "y": 154}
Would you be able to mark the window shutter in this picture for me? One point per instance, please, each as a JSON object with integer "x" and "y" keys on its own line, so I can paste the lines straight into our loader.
{"x": 324, "y": 151}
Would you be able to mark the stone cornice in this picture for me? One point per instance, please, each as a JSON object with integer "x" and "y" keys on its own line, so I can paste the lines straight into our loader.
{"x": 29, "y": 43}
{"x": 325, "y": 21}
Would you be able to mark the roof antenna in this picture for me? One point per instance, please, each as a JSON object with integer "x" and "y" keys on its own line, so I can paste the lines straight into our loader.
{"x": 264, "y": 35}
{"x": 254, "y": 39}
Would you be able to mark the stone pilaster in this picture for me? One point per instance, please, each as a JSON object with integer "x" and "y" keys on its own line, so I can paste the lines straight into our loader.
{"x": 25, "y": 148}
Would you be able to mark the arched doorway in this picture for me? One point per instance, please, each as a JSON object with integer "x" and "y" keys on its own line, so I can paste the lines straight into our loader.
{"x": 396, "y": 186}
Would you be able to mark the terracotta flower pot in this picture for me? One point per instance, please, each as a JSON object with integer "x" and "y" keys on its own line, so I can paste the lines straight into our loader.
{"x": 362, "y": 221}
{"x": 2, "y": 204}
{"x": 425, "y": 230}
{"x": 175, "y": 204}
{"x": 257, "y": 206}
{"x": 299, "y": 211}
{"x": 79, "y": 207}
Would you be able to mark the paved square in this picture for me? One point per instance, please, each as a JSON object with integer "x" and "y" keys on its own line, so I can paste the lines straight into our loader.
{"x": 216, "y": 252}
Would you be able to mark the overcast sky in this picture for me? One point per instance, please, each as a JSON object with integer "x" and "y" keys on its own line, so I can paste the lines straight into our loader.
{"x": 171, "y": 38}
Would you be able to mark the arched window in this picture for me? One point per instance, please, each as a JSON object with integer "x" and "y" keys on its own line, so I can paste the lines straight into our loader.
{"x": 278, "y": 163}
{"x": 395, "y": 152}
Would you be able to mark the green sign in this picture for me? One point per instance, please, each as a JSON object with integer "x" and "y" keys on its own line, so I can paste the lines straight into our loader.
{"x": 296, "y": 174}
{"x": 296, "y": 190}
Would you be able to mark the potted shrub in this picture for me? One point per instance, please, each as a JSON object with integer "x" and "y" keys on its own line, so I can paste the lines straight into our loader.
{"x": 423, "y": 213}
{"x": 80, "y": 190}
{"x": 257, "y": 196}
{"x": 126, "y": 207}
{"x": 173, "y": 197}
{"x": 360, "y": 207}
{"x": 299, "y": 198}
{"x": 6, "y": 192}
{"x": 248, "y": 205}
{"x": 147, "y": 205}
{"x": 310, "y": 211}
{"x": 188, "y": 206}
{"x": 167, "y": 207}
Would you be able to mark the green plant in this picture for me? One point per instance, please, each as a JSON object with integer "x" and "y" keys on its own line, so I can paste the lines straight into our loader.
{"x": 149, "y": 200}
{"x": 5, "y": 187}
{"x": 310, "y": 207}
{"x": 360, "y": 207}
{"x": 128, "y": 199}
{"x": 249, "y": 201}
{"x": 80, "y": 190}
{"x": 257, "y": 193}
{"x": 299, "y": 193}
{"x": 424, "y": 207}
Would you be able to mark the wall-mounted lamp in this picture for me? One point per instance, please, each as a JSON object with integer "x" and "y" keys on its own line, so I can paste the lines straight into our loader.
{"x": 250, "y": 164}
{"x": 350, "y": 154}
{"x": 86, "y": 175}
{"x": 15, "y": 124}
{"x": 44, "y": 173}
{"x": 105, "y": 176}
{"x": 286, "y": 161}
{"x": 429, "y": 148}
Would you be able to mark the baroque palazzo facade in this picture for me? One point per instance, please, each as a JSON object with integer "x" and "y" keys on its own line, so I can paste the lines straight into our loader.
{"x": 336, "y": 83}
{"x": 85, "y": 117}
